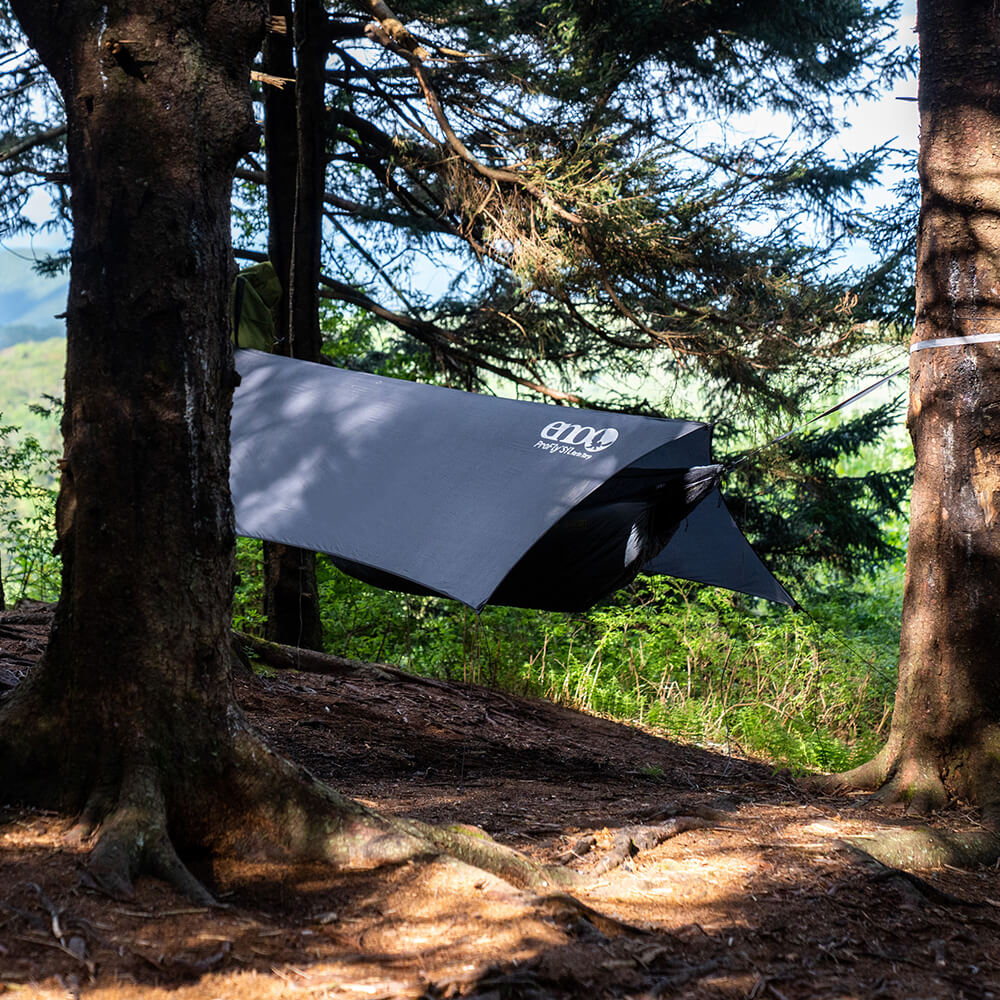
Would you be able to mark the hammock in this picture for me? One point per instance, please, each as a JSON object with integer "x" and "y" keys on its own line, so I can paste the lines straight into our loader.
{"x": 485, "y": 500}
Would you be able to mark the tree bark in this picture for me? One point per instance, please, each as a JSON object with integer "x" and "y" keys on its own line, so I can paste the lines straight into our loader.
{"x": 129, "y": 718}
{"x": 157, "y": 104}
{"x": 295, "y": 175}
{"x": 291, "y": 597}
{"x": 945, "y": 736}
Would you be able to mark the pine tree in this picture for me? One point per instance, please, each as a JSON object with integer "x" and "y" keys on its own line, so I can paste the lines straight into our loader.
{"x": 590, "y": 254}
{"x": 945, "y": 736}
{"x": 570, "y": 167}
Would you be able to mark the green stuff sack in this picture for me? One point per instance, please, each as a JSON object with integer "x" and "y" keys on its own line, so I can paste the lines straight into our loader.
{"x": 255, "y": 300}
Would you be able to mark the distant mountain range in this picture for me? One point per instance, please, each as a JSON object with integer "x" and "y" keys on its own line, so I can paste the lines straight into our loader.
{"x": 29, "y": 302}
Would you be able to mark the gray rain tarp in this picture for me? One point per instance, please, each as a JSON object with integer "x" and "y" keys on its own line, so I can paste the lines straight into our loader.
{"x": 478, "y": 498}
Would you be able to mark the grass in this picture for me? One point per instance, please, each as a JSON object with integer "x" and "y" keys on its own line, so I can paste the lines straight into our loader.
{"x": 700, "y": 665}
{"x": 704, "y": 666}
{"x": 807, "y": 691}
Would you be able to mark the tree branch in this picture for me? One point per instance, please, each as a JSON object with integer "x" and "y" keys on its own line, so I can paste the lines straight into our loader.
{"x": 504, "y": 176}
{"x": 394, "y": 28}
{"x": 433, "y": 336}
{"x": 260, "y": 177}
{"x": 31, "y": 141}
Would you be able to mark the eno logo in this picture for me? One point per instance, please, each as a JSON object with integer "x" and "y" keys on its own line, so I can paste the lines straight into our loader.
{"x": 593, "y": 439}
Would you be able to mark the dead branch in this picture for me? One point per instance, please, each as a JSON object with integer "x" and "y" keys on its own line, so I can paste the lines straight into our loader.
{"x": 631, "y": 840}
{"x": 395, "y": 28}
{"x": 31, "y": 141}
{"x": 271, "y": 81}
{"x": 289, "y": 658}
{"x": 504, "y": 176}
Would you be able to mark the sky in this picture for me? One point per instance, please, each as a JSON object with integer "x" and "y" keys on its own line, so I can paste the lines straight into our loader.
{"x": 25, "y": 298}
{"x": 889, "y": 117}
{"x": 894, "y": 118}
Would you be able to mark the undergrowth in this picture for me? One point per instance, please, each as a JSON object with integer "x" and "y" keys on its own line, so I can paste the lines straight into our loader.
{"x": 805, "y": 689}
{"x": 809, "y": 690}
{"x": 28, "y": 568}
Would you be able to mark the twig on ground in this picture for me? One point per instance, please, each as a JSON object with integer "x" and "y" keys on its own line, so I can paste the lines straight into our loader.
{"x": 631, "y": 840}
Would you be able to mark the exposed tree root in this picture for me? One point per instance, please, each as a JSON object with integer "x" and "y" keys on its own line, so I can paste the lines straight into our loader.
{"x": 632, "y": 840}
{"x": 287, "y": 809}
{"x": 225, "y": 793}
{"x": 562, "y": 905}
{"x": 884, "y": 858}
{"x": 924, "y": 848}
{"x": 133, "y": 839}
{"x": 912, "y": 778}
{"x": 481, "y": 851}
{"x": 286, "y": 815}
{"x": 147, "y": 794}
{"x": 925, "y": 776}
{"x": 290, "y": 658}
{"x": 867, "y": 777}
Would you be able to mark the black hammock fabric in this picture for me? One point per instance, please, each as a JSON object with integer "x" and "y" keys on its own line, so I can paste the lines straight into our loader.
{"x": 482, "y": 499}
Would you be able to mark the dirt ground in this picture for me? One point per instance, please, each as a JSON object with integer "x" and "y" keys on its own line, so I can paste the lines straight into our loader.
{"x": 765, "y": 901}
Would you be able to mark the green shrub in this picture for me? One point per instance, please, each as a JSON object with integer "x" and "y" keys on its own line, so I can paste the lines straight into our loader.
{"x": 28, "y": 474}
{"x": 700, "y": 664}
{"x": 248, "y": 595}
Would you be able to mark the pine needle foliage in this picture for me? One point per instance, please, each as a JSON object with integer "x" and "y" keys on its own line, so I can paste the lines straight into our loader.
{"x": 572, "y": 167}
{"x": 804, "y": 513}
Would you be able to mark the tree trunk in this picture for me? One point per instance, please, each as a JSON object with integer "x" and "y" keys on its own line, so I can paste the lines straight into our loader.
{"x": 295, "y": 174}
{"x": 945, "y": 738}
{"x": 311, "y": 43}
{"x": 136, "y": 673}
{"x": 291, "y": 597}
{"x": 129, "y": 718}
{"x": 281, "y": 148}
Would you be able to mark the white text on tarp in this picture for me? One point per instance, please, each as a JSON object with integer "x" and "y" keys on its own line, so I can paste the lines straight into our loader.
{"x": 591, "y": 439}
{"x": 562, "y": 449}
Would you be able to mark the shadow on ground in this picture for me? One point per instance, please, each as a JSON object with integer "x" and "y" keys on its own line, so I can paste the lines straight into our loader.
{"x": 764, "y": 902}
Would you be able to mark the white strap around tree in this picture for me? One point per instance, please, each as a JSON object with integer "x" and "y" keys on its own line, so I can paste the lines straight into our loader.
{"x": 972, "y": 338}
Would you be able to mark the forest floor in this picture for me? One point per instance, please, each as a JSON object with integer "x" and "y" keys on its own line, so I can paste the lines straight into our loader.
{"x": 767, "y": 901}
